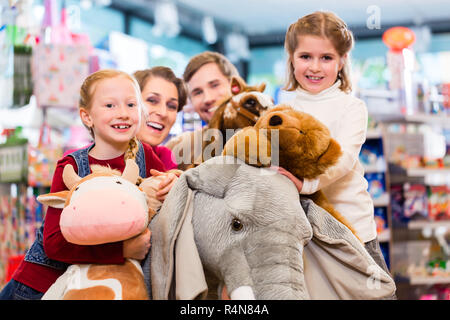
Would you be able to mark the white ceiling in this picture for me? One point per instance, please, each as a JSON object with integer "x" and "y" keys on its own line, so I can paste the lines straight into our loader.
{"x": 265, "y": 21}
{"x": 271, "y": 16}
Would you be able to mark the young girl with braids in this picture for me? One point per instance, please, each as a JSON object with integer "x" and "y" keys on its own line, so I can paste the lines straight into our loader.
{"x": 318, "y": 47}
{"x": 110, "y": 107}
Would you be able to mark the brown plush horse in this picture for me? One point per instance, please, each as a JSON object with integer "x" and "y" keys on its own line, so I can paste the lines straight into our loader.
{"x": 242, "y": 109}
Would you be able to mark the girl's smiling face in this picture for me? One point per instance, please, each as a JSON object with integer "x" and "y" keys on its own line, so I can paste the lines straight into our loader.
{"x": 161, "y": 100}
{"x": 316, "y": 63}
{"x": 114, "y": 115}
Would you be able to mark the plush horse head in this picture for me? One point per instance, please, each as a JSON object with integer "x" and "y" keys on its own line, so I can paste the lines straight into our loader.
{"x": 242, "y": 109}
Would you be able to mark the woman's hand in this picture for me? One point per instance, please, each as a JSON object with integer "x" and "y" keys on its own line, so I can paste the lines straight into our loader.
{"x": 138, "y": 246}
{"x": 297, "y": 182}
{"x": 166, "y": 184}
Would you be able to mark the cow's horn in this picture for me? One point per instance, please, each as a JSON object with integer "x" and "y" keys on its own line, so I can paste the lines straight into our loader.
{"x": 70, "y": 177}
{"x": 131, "y": 171}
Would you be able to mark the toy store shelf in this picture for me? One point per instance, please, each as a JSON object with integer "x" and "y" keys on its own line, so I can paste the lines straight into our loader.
{"x": 429, "y": 176}
{"x": 373, "y": 134}
{"x": 374, "y": 168}
{"x": 421, "y": 172}
{"x": 441, "y": 120}
{"x": 382, "y": 200}
{"x": 421, "y": 224}
{"x": 384, "y": 236}
{"x": 424, "y": 280}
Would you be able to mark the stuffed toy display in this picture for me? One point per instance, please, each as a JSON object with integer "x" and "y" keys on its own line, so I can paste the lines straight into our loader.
{"x": 103, "y": 207}
{"x": 226, "y": 223}
{"x": 304, "y": 145}
{"x": 222, "y": 224}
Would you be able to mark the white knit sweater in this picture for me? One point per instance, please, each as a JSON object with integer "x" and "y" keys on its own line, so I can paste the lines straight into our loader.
{"x": 344, "y": 184}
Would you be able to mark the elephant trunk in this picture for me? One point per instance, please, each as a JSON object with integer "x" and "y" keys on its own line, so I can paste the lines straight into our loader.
{"x": 270, "y": 262}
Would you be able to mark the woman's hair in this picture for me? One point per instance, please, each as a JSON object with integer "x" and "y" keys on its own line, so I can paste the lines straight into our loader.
{"x": 143, "y": 76}
{"x": 321, "y": 24}
{"x": 87, "y": 92}
{"x": 199, "y": 60}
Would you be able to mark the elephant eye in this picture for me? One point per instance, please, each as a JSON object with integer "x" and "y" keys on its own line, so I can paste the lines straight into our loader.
{"x": 77, "y": 188}
{"x": 237, "y": 225}
{"x": 302, "y": 132}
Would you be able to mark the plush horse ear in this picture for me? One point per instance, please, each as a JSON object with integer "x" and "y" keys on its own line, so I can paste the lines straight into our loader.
{"x": 55, "y": 199}
{"x": 331, "y": 155}
{"x": 237, "y": 85}
{"x": 261, "y": 87}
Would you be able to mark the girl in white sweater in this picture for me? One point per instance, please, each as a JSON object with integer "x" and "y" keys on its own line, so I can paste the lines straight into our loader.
{"x": 318, "y": 46}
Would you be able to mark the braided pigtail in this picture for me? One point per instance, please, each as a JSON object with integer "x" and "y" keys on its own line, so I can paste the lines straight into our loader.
{"x": 132, "y": 149}
{"x": 131, "y": 153}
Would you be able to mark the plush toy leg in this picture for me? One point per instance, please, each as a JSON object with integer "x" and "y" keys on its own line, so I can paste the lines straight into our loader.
{"x": 93, "y": 293}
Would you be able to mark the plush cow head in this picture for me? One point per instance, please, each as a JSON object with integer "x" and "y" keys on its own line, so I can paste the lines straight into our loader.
{"x": 102, "y": 207}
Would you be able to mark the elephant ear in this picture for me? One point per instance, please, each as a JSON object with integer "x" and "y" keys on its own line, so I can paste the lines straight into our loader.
{"x": 174, "y": 250}
{"x": 337, "y": 265}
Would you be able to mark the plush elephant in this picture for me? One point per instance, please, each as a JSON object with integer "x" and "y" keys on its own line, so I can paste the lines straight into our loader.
{"x": 228, "y": 223}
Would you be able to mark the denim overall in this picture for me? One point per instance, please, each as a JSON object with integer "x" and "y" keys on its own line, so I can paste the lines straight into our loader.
{"x": 36, "y": 253}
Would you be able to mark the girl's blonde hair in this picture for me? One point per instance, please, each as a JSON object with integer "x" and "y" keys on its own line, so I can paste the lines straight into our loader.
{"x": 87, "y": 92}
{"x": 321, "y": 24}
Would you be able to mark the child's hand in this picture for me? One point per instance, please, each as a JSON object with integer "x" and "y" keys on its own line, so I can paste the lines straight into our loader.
{"x": 165, "y": 185}
{"x": 297, "y": 182}
{"x": 138, "y": 246}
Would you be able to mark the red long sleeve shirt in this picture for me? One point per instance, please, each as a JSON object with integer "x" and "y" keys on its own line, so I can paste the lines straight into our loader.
{"x": 57, "y": 248}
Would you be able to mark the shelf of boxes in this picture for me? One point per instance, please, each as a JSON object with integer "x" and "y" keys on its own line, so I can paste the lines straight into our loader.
{"x": 377, "y": 167}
